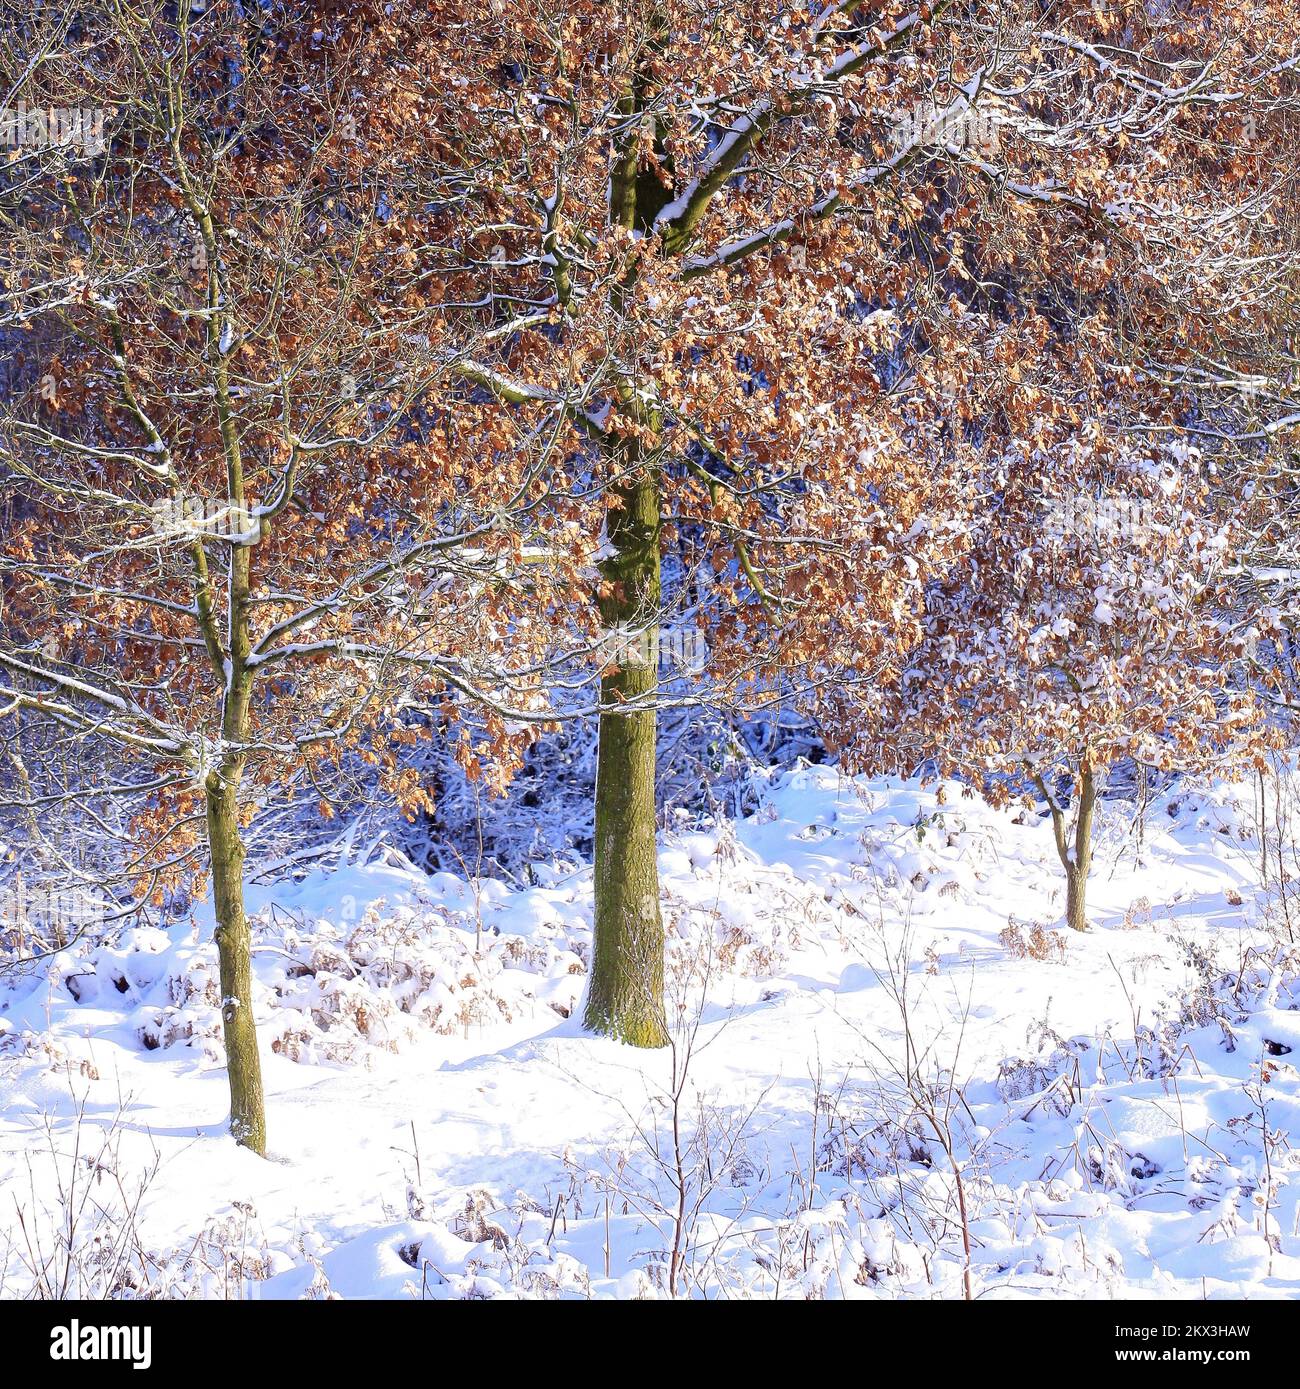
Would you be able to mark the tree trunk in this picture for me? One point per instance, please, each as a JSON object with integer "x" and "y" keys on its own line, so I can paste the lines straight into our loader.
{"x": 244, "y": 1069}
{"x": 1076, "y": 873}
{"x": 625, "y": 993}
{"x": 1076, "y": 859}
{"x": 1076, "y": 888}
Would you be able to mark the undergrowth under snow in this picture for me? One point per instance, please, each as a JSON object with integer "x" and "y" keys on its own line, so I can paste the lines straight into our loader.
{"x": 878, "y": 1025}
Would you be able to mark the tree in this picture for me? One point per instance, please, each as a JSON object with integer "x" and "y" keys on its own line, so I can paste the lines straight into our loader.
{"x": 1092, "y": 620}
{"x": 698, "y": 207}
{"x": 784, "y": 266}
{"x": 248, "y": 537}
{"x": 1130, "y": 266}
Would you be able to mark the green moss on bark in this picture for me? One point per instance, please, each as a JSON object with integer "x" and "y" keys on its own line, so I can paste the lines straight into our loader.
{"x": 244, "y": 1068}
{"x": 625, "y": 993}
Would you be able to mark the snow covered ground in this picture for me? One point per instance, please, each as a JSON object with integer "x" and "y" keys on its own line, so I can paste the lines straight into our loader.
{"x": 877, "y": 1022}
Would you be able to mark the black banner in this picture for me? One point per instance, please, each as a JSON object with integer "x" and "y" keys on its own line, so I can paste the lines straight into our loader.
{"x": 79, "y": 1339}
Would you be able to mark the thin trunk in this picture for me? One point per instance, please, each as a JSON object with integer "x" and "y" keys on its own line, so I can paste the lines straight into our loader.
{"x": 226, "y": 848}
{"x": 1076, "y": 859}
{"x": 244, "y": 1069}
{"x": 625, "y": 994}
{"x": 234, "y": 941}
{"x": 247, "y": 1107}
{"x": 1077, "y": 873}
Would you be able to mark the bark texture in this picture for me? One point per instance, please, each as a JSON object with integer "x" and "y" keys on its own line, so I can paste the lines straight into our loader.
{"x": 625, "y": 992}
{"x": 244, "y": 1067}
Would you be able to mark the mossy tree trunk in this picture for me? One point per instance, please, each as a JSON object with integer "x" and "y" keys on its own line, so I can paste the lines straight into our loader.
{"x": 625, "y": 992}
{"x": 222, "y": 784}
{"x": 234, "y": 942}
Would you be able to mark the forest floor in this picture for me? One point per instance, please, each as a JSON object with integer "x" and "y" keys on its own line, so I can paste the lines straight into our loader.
{"x": 894, "y": 1075}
